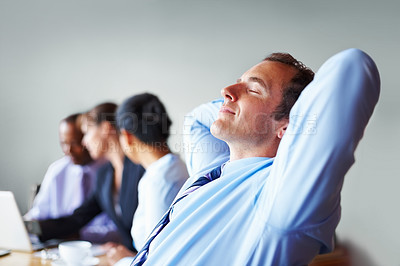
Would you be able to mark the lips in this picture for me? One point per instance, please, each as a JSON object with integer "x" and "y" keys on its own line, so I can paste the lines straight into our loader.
{"x": 226, "y": 109}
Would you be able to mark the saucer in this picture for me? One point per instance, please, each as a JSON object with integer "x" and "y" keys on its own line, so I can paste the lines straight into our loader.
{"x": 91, "y": 261}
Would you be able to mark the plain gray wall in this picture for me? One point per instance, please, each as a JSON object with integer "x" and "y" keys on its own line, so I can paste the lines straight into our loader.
{"x": 60, "y": 57}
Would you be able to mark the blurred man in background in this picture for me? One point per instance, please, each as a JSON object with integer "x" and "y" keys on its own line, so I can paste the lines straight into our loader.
{"x": 68, "y": 183}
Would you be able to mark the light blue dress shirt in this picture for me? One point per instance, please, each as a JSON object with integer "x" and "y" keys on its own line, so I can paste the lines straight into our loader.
{"x": 156, "y": 191}
{"x": 62, "y": 180}
{"x": 282, "y": 210}
{"x": 61, "y": 192}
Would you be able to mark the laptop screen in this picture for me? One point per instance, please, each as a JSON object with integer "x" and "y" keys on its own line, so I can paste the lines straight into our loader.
{"x": 12, "y": 229}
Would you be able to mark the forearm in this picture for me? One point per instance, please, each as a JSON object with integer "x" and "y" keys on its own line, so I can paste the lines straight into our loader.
{"x": 68, "y": 225}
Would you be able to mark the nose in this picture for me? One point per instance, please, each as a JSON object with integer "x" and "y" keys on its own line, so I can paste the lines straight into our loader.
{"x": 231, "y": 92}
{"x": 83, "y": 141}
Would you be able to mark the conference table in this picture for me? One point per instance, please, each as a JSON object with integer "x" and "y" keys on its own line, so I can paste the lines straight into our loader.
{"x": 17, "y": 258}
{"x": 339, "y": 257}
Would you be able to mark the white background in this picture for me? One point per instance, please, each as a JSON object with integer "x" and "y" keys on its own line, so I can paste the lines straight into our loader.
{"x": 61, "y": 57}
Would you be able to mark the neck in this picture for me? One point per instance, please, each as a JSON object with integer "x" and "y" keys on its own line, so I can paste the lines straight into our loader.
{"x": 247, "y": 150}
{"x": 90, "y": 160}
{"x": 116, "y": 157}
{"x": 117, "y": 160}
{"x": 150, "y": 154}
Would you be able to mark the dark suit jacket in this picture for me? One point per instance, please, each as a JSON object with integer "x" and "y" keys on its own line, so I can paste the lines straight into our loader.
{"x": 102, "y": 200}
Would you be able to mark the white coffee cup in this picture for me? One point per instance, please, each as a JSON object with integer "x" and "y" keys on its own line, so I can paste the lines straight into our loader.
{"x": 75, "y": 252}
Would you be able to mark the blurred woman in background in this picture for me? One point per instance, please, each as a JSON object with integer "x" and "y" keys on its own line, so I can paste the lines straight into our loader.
{"x": 144, "y": 125}
{"x": 116, "y": 186}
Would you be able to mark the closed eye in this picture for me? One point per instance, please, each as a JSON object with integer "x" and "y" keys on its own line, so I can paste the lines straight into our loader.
{"x": 254, "y": 91}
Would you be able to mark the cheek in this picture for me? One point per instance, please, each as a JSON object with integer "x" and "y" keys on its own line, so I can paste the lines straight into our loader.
{"x": 92, "y": 138}
{"x": 78, "y": 149}
{"x": 257, "y": 118}
{"x": 261, "y": 123}
{"x": 86, "y": 140}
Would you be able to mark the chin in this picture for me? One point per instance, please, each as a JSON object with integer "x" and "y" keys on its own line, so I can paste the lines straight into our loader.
{"x": 76, "y": 161}
{"x": 216, "y": 130}
{"x": 94, "y": 156}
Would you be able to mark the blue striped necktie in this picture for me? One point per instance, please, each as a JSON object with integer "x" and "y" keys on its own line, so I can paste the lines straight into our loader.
{"x": 142, "y": 254}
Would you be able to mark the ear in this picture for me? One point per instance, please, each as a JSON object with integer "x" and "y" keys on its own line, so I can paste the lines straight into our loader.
{"x": 128, "y": 137}
{"x": 282, "y": 128}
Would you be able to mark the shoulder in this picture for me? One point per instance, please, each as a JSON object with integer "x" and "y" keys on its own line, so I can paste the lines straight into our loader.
{"x": 57, "y": 172}
{"x": 60, "y": 166}
{"x": 175, "y": 161}
{"x": 172, "y": 168}
{"x": 104, "y": 170}
{"x": 131, "y": 167}
{"x": 63, "y": 162}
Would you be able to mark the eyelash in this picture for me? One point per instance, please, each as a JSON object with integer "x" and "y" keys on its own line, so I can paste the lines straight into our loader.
{"x": 254, "y": 91}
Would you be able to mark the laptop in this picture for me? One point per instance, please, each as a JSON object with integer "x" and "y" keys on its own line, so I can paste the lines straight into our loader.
{"x": 13, "y": 233}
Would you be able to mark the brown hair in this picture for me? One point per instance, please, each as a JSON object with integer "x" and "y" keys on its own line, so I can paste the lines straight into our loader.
{"x": 99, "y": 113}
{"x": 292, "y": 90}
